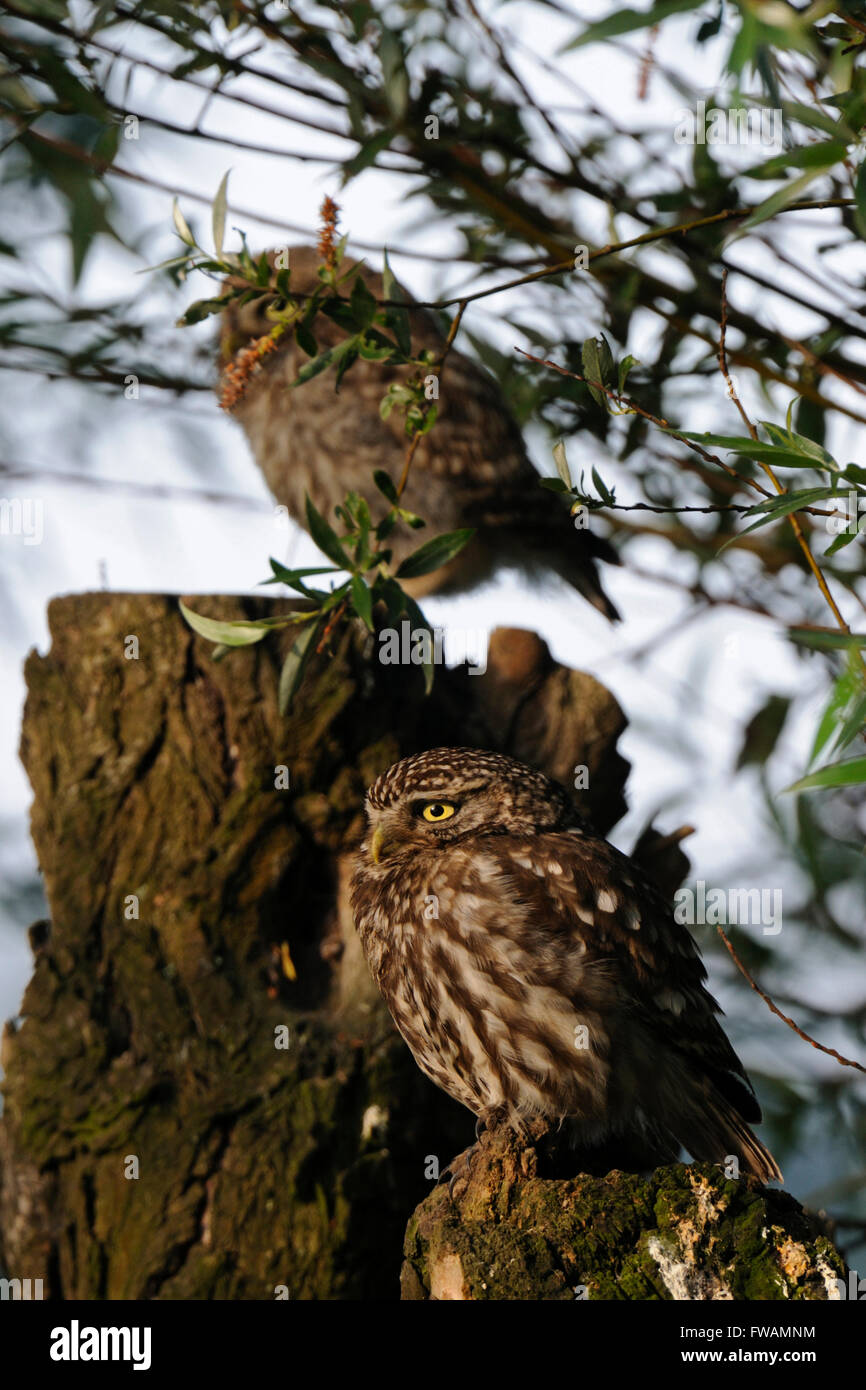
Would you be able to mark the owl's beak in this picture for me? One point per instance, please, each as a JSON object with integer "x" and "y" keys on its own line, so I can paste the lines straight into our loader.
{"x": 378, "y": 844}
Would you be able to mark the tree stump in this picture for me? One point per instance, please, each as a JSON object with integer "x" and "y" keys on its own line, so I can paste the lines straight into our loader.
{"x": 686, "y": 1232}
{"x": 204, "y": 1096}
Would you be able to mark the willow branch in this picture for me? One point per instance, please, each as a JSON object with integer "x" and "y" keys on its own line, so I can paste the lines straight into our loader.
{"x": 437, "y": 370}
{"x": 830, "y": 1051}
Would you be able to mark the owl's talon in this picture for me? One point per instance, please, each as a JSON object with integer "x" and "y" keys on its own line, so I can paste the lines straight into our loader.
{"x": 455, "y": 1178}
{"x": 460, "y": 1169}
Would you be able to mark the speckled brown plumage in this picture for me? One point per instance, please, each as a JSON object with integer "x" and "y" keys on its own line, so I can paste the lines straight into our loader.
{"x": 472, "y": 468}
{"x": 502, "y": 933}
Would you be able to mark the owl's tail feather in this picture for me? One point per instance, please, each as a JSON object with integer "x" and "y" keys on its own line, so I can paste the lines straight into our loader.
{"x": 711, "y": 1128}
{"x": 582, "y": 574}
{"x": 575, "y": 561}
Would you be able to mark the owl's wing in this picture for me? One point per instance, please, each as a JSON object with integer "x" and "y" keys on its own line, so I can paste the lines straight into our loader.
{"x": 598, "y": 900}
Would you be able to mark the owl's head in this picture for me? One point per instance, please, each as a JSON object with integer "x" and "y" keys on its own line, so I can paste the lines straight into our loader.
{"x": 432, "y": 799}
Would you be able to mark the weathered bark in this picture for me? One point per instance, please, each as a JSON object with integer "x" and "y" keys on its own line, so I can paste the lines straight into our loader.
{"x": 684, "y": 1233}
{"x": 152, "y": 1037}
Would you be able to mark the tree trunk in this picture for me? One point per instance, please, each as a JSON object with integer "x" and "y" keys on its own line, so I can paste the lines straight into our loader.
{"x": 204, "y": 1096}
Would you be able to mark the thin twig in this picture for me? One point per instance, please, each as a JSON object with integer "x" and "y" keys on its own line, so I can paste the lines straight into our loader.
{"x": 830, "y": 1051}
{"x": 636, "y": 409}
{"x": 692, "y": 444}
{"x": 436, "y": 369}
{"x": 796, "y": 524}
{"x": 645, "y": 238}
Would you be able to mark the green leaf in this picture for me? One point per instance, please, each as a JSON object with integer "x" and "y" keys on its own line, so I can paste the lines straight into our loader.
{"x": 809, "y": 448}
{"x": 313, "y": 368}
{"x": 325, "y": 359}
{"x": 363, "y": 304}
{"x": 711, "y": 27}
{"x": 779, "y": 457}
{"x": 417, "y": 619}
{"x": 170, "y": 264}
{"x": 180, "y": 224}
{"x": 602, "y": 489}
{"x": 561, "y": 462}
{"x": 295, "y": 578}
{"x": 305, "y": 340}
{"x": 375, "y": 347}
{"x": 627, "y": 21}
{"x": 762, "y": 731}
{"x": 860, "y": 196}
{"x": 385, "y": 484}
{"x": 218, "y": 213}
{"x": 593, "y": 360}
{"x": 787, "y": 502}
{"x": 362, "y": 600}
{"x": 394, "y": 74}
{"x": 368, "y": 152}
{"x": 822, "y": 155}
{"x": 841, "y": 695}
{"x": 825, "y": 638}
{"x": 325, "y": 537}
{"x": 845, "y": 774}
{"x": 396, "y": 318}
{"x": 780, "y": 199}
{"x": 853, "y": 724}
{"x": 811, "y": 116}
{"x": 844, "y": 538}
{"x": 434, "y": 553}
{"x": 293, "y": 667}
{"x": 346, "y": 360}
{"x": 238, "y": 633}
{"x": 201, "y": 309}
{"x": 623, "y": 370}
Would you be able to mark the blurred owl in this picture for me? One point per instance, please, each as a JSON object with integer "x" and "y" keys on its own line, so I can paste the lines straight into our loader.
{"x": 536, "y": 974}
{"x": 471, "y": 469}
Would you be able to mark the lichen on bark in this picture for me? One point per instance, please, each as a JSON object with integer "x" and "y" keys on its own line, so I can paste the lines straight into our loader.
{"x": 504, "y": 1230}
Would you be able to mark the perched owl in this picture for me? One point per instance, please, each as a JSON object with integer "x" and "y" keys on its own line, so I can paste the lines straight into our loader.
{"x": 471, "y": 469}
{"x": 536, "y": 974}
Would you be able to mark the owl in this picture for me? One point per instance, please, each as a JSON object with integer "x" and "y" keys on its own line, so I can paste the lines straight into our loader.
{"x": 536, "y": 974}
{"x": 471, "y": 469}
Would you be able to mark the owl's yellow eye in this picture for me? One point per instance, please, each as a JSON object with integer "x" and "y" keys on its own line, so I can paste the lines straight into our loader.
{"x": 438, "y": 810}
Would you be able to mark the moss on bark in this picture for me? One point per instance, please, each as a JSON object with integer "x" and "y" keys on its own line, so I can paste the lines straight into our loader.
{"x": 683, "y": 1232}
